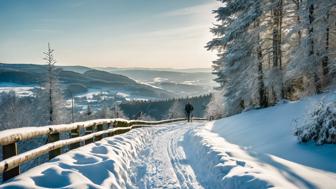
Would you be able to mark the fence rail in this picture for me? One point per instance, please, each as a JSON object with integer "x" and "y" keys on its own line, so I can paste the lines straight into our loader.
{"x": 93, "y": 130}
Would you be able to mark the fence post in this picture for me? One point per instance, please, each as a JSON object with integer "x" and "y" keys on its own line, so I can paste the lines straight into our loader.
{"x": 88, "y": 131}
{"x": 111, "y": 125}
{"x": 99, "y": 128}
{"x": 53, "y": 137}
{"x": 117, "y": 125}
{"x": 73, "y": 134}
{"x": 8, "y": 151}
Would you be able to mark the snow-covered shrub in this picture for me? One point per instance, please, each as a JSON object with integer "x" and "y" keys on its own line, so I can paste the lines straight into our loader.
{"x": 215, "y": 108}
{"x": 108, "y": 113}
{"x": 144, "y": 117}
{"x": 176, "y": 110}
{"x": 319, "y": 126}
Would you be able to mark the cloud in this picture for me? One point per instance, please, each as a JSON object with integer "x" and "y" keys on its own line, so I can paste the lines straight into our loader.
{"x": 193, "y": 10}
{"x": 196, "y": 27}
{"x": 178, "y": 32}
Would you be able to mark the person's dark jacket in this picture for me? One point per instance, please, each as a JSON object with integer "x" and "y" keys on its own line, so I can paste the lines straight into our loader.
{"x": 188, "y": 108}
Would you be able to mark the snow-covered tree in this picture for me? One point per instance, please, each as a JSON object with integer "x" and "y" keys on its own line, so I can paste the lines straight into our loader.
{"x": 108, "y": 113}
{"x": 313, "y": 58}
{"x": 117, "y": 112}
{"x": 144, "y": 117}
{"x": 238, "y": 67}
{"x": 104, "y": 113}
{"x": 215, "y": 108}
{"x": 16, "y": 111}
{"x": 51, "y": 102}
{"x": 176, "y": 110}
{"x": 270, "y": 50}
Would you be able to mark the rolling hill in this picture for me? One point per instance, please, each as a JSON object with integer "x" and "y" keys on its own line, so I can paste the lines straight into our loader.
{"x": 182, "y": 82}
{"x": 31, "y": 74}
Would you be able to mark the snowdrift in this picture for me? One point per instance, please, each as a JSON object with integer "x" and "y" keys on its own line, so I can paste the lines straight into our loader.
{"x": 257, "y": 149}
{"x": 271, "y": 131}
{"x": 102, "y": 164}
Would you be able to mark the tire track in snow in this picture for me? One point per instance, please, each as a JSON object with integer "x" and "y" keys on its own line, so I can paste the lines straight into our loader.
{"x": 162, "y": 163}
{"x": 183, "y": 170}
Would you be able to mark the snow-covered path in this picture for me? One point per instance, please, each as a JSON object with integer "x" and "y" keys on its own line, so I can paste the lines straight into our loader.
{"x": 142, "y": 158}
{"x": 163, "y": 163}
{"x": 177, "y": 155}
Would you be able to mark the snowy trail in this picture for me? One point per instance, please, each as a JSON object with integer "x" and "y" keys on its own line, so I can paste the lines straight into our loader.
{"x": 142, "y": 158}
{"x": 163, "y": 163}
{"x": 176, "y": 155}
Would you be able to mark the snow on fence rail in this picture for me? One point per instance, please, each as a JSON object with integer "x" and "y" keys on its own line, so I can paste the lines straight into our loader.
{"x": 94, "y": 130}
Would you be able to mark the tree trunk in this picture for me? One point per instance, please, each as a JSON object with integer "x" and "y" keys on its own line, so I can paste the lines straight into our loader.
{"x": 298, "y": 20}
{"x": 315, "y": 75}
{"x": 276, "y": 44}
{"x": 50, "y": 98}
{"x": 325, "y": 60}
{"x": 277, "y": 28}
{"x": 261, "y": 86}
{"x": 311, "y": 29}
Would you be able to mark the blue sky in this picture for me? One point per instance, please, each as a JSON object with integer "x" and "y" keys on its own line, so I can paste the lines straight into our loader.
{"x": 116, "y": 33}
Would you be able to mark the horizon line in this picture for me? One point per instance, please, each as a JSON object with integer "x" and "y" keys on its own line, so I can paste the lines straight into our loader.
{"x": 117, "y": 67}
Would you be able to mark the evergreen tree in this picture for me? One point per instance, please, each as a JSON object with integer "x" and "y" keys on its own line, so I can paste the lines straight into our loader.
{"x": 269, "y": 50}
{"x": 239, "y": 61}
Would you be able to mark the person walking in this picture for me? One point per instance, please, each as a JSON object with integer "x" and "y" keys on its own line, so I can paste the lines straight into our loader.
{"x": 188, "y": 109}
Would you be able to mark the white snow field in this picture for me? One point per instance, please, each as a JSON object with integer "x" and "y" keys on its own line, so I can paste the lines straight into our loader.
{"x": 252, "y": 150}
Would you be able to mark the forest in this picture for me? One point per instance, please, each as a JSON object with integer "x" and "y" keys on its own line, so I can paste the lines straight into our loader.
{"x": 272, "y": 50}
{"x": 166, "y": 109}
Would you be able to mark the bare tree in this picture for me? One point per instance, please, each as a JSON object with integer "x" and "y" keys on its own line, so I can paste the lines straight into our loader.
{"x": 49, "y": 57}
{"x": 52, "y": 92}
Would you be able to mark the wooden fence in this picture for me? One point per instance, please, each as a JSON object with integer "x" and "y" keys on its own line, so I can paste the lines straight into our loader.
{"x": 93, "y": 130}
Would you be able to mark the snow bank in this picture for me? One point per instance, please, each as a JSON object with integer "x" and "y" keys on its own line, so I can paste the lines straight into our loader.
{"x": 257, "y": 149}
{"x": 102, "y": 164}
{"x": 220, "y": 164}
{"x": 271, "y": 131}
{"x": 225, "y": 165}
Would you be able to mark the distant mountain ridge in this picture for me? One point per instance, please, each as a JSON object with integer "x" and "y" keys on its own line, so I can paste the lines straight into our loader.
{"x": 185, "y": 70}
{"x": 32, "y": 74}
{"x": 149, "y": 75}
